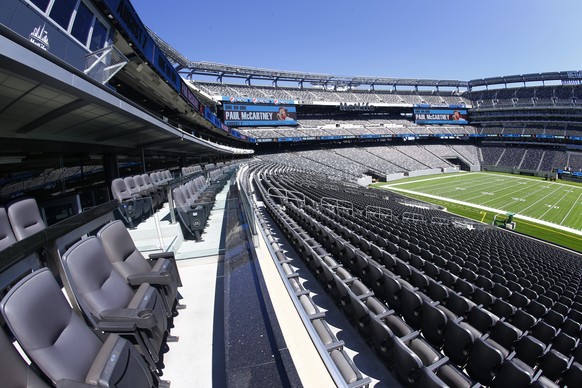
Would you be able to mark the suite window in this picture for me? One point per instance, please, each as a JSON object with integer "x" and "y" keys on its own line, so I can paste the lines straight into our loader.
{"x": 82, "y": 24}
{"x": 61, "y": 12}
{"x": 98, "y": 37}
{"x": 41, "y": 4}
{"x": 76, "y": 18}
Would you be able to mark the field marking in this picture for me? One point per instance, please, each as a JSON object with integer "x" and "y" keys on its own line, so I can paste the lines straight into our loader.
{"x": 508, "y": 176}
{"x": 490, "y": 209}
{"x": 429, "y": 179}
{"x": 511, "y": 176}
{"x": 572, "y": 207}
{"x": 541, "y": 199}
{"x": 553, "y": 207}
{"x": 437, "y": 187}
{"x": 512, "y": 192}
{"x": 493, "y": 181}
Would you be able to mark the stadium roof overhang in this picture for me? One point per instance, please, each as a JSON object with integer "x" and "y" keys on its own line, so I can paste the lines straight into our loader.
{"x": 219, "y": 70}
{"x": 222, "y": 70}
{"x": 187, "y": 67}
{"x": 525, "y": 78}
{"x": 43, "y": 99}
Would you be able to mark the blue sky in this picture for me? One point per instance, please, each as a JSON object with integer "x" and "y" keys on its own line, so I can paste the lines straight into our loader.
{"x": 436, "y": 39}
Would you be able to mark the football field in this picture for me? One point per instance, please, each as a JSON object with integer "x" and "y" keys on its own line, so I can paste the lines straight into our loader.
{"x": 550, "y": 202}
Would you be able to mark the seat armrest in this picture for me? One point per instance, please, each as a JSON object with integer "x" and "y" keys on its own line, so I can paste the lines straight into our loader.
{"x": 169, "y": 256}
{"x": 153, "y": 278}
{"x": 72, "y": 384}
{"x": 164, "y": 255}
{"x": 143, "y": 319}
{"x": 117, "y": 327}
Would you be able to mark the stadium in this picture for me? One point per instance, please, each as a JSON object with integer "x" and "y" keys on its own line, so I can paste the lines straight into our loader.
{"x": 169, "y": 222}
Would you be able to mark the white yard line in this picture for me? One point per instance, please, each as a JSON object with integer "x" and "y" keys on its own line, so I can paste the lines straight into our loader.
{"x": 570, "y": 211}
{"x": 427, "y": 179}
{"x": 529, "y": 180}
{"x": 513, "y": 192}
{"x": 552, "y": 206}
{"x": 490, "y": 209}
{"x": 541, "y": 199}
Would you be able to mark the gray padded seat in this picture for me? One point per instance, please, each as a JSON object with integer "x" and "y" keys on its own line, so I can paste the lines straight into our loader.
{"x": 60, "y": 343}
{"x": 137, "y": 192}
{"x": 156, "y": 179}
{"x": 14, "y": 370}
{"x": 166, "y": 176}
{"x": 7, "y": 237}
{"x": 103, "y": 294}
{"x": 146, "y": 190}
{"x": 191, "y": 219}
{"x": 150, "y": 184}
{"x": 135, "y": 269}
{"x": 25, "y": 218}
{"x": 130, "y": 207}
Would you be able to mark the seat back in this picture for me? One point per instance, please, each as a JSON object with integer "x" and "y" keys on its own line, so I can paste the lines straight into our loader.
{"x": 458, "y": 341}
{"x": 60, "y": 343}
{"x": 119, "y": 190}
{"x": 180, "y": 199}
{"x": 7, "y": 237}
{"x": 191, "y": 190}
{"x": 99, "y": 289}
{"x": 142, "y": 187}
{"x": 49, "y": 332}
{"x": 121, "y": 251}
{"x": 406, "y": 363}
{"x": 483, "y": 361}
{"x": 147, "y": 180}
{"x": 433, "y": 324}
{"x": 156, "y": 179}
{"x": 128, "y": 260}
{"x": 382, "y": 338}
{"x": 131, "y": 186}
{"x": 25, "y": 218}
{"x": 14, "y": 370}
{"x": 95, "y": 281}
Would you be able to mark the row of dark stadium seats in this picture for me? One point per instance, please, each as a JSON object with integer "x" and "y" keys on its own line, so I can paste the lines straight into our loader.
{"x": 468, "y": 270}
{"x": 550, "y": 355}
{"x": 334, "y": 347}
{"x": 362, "y": 307}
{"x": 129, "y": 302}
{"x": 566, "y": 341}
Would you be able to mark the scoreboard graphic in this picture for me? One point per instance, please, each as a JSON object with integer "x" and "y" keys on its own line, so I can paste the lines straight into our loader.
{"x": 240, "y": 115}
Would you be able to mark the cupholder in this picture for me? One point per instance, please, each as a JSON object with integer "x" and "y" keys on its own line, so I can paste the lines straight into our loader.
{"x": 145, "y": 314}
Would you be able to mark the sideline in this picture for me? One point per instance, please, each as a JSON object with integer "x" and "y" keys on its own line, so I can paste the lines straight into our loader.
{"x": 490, "y": 209}
{"x": 464, "y": 173}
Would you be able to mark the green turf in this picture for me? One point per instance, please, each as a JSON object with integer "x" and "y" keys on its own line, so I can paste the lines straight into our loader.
{"x": 553, "y": 202}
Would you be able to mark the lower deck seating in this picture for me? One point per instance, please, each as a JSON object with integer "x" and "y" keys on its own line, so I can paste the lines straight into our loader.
{"x": 457, "y": 306}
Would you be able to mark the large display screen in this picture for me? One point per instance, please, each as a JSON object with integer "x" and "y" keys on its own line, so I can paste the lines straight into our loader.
{"x": 453, "y": 116}
{"x": 240, "y": 115}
